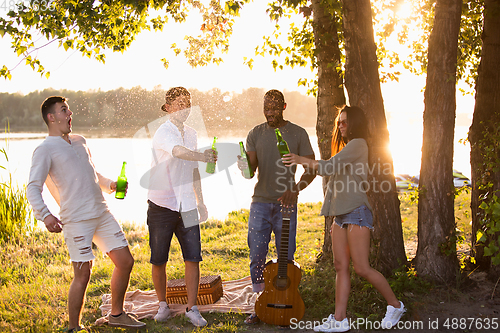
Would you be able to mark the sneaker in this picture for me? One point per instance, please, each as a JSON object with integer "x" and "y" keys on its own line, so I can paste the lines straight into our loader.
{"x": 125, "y": 320}
{"x": 79, "y": 329}
{"x": 195, "y": 317}
{"x": 163, "y": 313}
{"x": 393, "y": 315}
{"x": 330, "y": 324}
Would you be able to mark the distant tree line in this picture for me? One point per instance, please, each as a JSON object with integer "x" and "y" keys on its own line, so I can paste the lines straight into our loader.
{"x": 122, "y": 111}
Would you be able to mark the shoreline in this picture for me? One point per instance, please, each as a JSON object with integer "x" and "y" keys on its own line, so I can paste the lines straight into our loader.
{"x": 107, "y": 133}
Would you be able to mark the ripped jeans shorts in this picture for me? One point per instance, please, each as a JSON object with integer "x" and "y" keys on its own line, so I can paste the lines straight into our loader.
{"x": 361, "y": 216}
{"x": 104, "y": 231}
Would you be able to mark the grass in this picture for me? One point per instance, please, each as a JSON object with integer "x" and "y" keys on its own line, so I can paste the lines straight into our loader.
{"x": 16, "y": 218}
{"x": 409, "y": 216}
{"x": 35, "y": 275}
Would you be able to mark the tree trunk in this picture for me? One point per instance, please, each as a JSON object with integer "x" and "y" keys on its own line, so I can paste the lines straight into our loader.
{"x": 436, "y": 252}
{"x": 330, "y": 89}
{"x": 363, "y": 87}
{"x": 486, "y": 118}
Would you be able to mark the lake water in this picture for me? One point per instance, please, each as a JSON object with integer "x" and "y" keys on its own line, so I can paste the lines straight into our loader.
{"x": 223, "y": 192}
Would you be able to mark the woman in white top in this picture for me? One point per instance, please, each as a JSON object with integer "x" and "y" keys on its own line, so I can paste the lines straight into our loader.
{"x": 347, "y": 202}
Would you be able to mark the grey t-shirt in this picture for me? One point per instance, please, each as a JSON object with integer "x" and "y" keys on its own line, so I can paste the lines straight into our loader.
{"x": 273, "y": 178}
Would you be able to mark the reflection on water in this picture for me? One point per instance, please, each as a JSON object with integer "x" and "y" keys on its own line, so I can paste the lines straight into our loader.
{"x": 22, "y": 135}
{"x": 223, "y": 192}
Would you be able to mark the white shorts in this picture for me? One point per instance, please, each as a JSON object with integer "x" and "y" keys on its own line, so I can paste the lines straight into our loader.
{"x": 104, "y": 231}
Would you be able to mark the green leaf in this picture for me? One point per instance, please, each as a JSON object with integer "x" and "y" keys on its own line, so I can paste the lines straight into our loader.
{"x": 165, "y": 63}
{"x": 4, "y": 71}
{"x": 496, "y": 210}
{"x": 490, "y": 249}
{"x": 21, "y": 50}
{"x": 68, "y": 44}
{"x": 496, "y": 260}
{"x": 480, "y": 237}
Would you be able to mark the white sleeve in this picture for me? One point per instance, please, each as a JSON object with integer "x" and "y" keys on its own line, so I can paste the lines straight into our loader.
{"x": 40, "y": 166}
{"x": 104, "y": 183}
{"x": 166, "y": 139}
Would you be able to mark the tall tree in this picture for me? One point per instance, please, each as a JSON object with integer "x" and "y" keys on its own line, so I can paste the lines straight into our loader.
{"x": 485, "y": 150}
{"x": 330, "y": 95}
{"x": 363, "y": 86}
{"x": 436, "y": 252}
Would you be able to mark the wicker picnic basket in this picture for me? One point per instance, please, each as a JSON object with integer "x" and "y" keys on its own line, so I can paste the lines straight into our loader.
{"x": 209, "y": 291}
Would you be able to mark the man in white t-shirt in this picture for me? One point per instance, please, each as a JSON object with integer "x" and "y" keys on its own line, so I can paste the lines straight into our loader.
{"x": 175, "y": 200}
{"x": 62, "y": 161}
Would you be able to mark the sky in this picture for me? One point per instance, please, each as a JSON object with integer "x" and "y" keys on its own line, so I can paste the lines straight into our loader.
{"x": 140, "y": 65}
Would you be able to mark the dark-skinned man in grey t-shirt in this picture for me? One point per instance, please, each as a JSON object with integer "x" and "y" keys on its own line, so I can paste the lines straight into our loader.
{"x": 276, "y": 186}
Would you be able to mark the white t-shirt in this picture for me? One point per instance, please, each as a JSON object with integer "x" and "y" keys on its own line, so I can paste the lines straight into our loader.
{"x": 69, "y": 174}
{"x": 171, "y": 178}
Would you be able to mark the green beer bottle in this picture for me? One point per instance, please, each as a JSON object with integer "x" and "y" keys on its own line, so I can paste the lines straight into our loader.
{"x": 121, "y": 184}
{"x": 211, "y": 165}
{"x": 282, "y": 145}
{"x": 248, "y": 172}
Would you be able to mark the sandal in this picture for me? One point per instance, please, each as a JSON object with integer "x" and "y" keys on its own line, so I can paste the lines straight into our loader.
{"x": 252, "y": 319}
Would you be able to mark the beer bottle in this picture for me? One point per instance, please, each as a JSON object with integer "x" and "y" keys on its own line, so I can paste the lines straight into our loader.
{"x": 282, "y": 145}
{"x": 248, "y": 172}
{"x": 121, "y": 184}
{"x": 211, "y": 165}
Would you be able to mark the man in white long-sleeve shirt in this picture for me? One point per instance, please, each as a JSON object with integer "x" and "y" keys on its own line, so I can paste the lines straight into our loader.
{"x": 62, "y": 161}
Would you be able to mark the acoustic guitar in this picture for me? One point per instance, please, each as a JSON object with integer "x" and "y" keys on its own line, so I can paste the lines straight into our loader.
{"x": 280, "y": 301}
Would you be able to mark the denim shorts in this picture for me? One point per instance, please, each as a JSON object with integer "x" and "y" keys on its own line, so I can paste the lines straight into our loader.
{"x": 361, "y": 216}
{"x": 163, "y": 223}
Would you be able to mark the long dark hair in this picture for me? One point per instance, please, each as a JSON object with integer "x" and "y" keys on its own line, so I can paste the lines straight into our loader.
{"x": 357, "y": 127}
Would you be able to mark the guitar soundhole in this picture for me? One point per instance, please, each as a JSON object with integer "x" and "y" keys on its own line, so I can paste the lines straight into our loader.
{"x": 281, "y": 283}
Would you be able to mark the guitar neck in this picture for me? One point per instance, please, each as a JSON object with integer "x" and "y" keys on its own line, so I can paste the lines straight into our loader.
{"x": 283, "y": 254}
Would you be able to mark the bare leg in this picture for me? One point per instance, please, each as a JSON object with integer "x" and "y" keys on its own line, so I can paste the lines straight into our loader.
{"x": 359, "y": 245}
{"x": 341, "y": 257}
{"x": 76, "y": 296}
{"x": 123, "y": 260}
{"x": 192, "y": 278}
{"x": 160, "y": 281}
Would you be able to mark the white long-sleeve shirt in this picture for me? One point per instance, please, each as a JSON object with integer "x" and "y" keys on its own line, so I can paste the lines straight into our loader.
{"x": 70, "y": 176}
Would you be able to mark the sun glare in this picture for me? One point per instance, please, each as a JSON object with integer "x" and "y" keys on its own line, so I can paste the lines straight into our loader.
{"x": 405, "y": 145}
{"x": 404, "y": 11}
